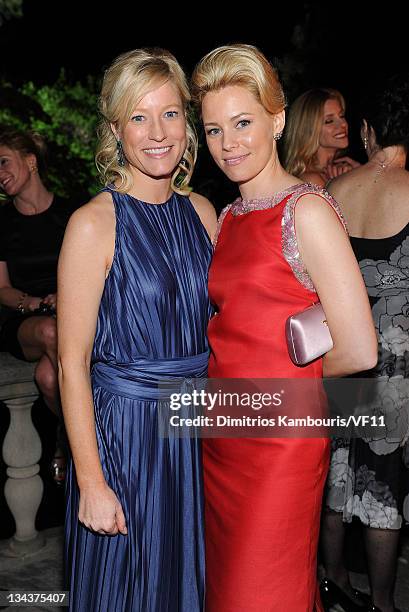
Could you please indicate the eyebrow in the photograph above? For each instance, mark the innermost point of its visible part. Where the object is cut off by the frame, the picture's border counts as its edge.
(231, 118)
(139, 109)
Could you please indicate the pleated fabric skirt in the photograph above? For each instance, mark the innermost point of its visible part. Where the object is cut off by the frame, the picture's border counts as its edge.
(159, 565)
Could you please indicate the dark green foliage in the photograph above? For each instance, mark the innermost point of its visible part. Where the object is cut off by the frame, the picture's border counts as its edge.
(10, 9)
(65, 114)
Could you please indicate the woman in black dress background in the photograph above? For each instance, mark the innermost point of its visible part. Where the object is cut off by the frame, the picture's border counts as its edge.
(32, 225)
(369, 478)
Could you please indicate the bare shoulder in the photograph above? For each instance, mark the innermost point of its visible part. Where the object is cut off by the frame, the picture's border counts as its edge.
(313, 209)
(206, 212)
(94, 219)
(344, 182)
(399, 182)
(201, 204)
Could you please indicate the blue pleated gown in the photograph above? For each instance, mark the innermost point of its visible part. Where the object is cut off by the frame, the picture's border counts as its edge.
(151, 327)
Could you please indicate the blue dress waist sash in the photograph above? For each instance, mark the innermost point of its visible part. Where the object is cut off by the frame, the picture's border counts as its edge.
(149, 379)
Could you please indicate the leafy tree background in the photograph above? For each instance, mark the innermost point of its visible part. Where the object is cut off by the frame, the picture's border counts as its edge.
(312, 42)
(65, 114)
(10, 9)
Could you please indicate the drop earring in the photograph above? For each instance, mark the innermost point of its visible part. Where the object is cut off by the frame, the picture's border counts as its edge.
(278, 135)
(120, 153)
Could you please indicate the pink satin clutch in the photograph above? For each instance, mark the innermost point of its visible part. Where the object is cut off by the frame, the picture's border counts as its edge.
(307, 334)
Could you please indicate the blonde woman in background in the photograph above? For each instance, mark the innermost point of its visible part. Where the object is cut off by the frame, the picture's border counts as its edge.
(133, 311)
(315, 136)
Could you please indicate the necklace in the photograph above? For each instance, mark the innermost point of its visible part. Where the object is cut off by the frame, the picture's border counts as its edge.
(382, 166)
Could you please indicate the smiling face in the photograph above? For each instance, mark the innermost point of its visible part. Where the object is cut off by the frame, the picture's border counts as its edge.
(334, 130)
(240, 133)
(15, 170)
(154, 138)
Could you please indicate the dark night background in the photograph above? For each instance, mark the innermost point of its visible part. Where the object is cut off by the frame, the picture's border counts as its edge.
(346, 45)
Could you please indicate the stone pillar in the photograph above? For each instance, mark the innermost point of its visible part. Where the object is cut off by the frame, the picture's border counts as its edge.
(21, 453)
(24, 488)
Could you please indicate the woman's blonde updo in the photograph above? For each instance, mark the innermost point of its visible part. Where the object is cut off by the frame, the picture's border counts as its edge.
(129, 78)
(242, 65)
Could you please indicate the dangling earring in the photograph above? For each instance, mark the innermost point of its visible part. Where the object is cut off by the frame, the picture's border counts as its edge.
(120, 153)
(278, 135)
(365, 141)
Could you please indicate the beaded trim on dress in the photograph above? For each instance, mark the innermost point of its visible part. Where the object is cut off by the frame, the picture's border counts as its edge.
(241, 207)
(288, 236)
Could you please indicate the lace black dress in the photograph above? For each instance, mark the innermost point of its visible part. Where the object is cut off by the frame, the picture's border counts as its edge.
(369, 478)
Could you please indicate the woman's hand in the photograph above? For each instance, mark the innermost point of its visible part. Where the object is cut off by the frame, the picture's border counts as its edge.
(50, 300)
(341, 165)
(31, 303)
(345, 160)
(101, 511)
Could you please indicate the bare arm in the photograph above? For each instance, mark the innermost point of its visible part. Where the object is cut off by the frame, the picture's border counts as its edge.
(328, 257)
(12, 297)
(206, 212)
(85, 257)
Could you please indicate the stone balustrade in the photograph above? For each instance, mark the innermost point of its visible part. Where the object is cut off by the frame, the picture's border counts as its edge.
(21, 452)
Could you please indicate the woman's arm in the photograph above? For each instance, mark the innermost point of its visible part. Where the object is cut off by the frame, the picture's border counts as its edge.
(14, 298)
(328, 257)
(85, 258)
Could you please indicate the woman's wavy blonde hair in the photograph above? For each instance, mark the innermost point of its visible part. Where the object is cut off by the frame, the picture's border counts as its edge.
(131, 76)
(243, 65)
(302, 132)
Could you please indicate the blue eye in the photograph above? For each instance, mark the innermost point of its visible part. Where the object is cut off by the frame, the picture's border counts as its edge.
(138, 118)
(213, 132)
(243, 123)
(171, 114)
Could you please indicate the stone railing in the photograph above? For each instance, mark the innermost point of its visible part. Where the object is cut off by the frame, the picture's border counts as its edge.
(21, 452)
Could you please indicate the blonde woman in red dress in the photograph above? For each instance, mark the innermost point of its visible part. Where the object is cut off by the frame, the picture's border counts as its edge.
(281, 245)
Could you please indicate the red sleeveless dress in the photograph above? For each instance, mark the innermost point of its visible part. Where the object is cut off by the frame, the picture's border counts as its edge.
(263, 495)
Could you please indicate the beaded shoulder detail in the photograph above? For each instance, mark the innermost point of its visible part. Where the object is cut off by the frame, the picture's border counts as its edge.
(241, 207)
(288, 235)
(220, 223)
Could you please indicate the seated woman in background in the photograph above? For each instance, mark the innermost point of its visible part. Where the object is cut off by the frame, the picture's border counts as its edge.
(315, 136)
(369, 478)
(32, 225)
